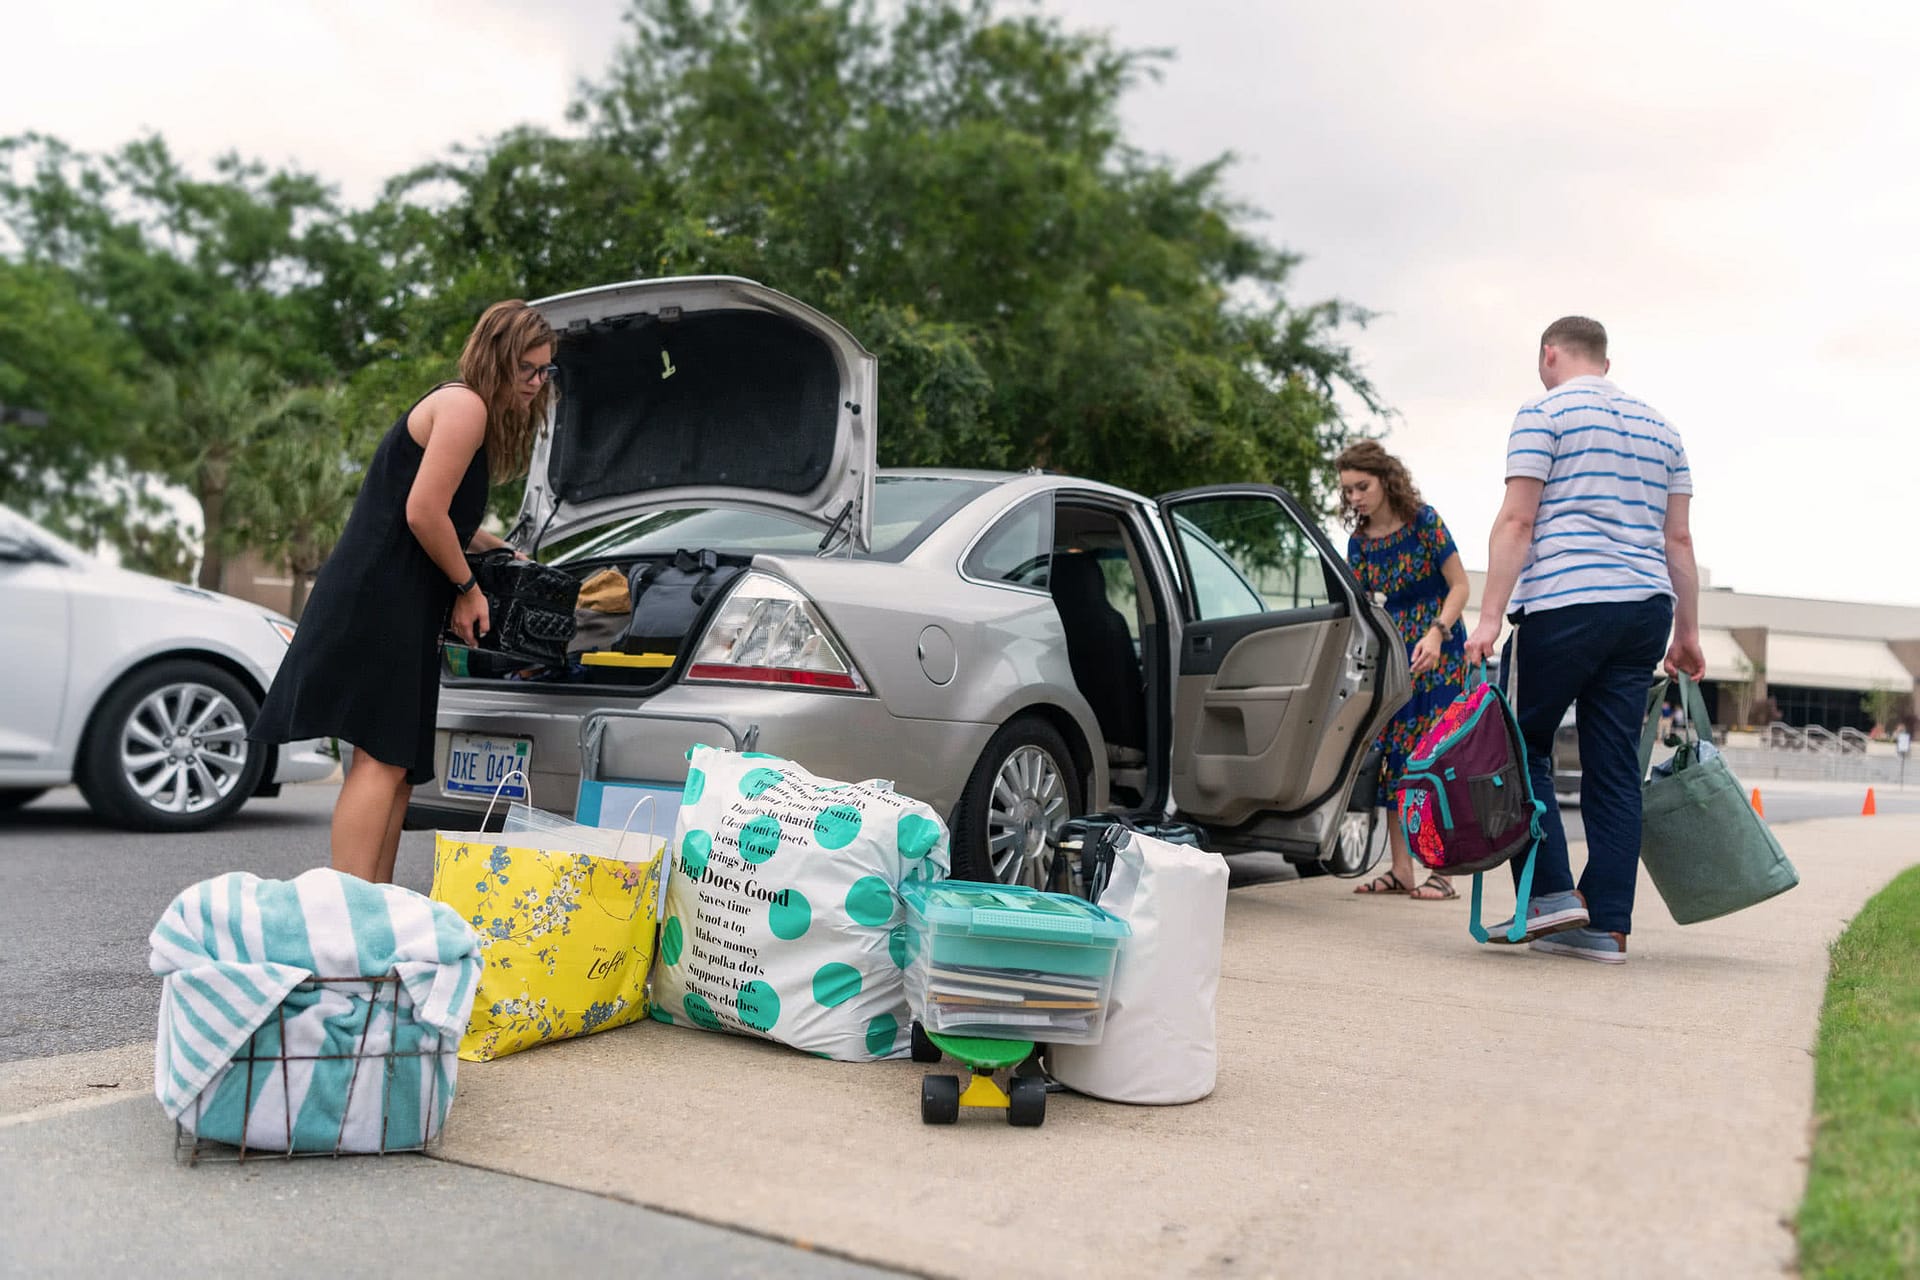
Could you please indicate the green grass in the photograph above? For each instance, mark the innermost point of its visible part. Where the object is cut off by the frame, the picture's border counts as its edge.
(1861, 1216)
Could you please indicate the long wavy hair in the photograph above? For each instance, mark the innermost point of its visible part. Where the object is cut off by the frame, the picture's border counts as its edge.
(1403, 496)
(490, 365)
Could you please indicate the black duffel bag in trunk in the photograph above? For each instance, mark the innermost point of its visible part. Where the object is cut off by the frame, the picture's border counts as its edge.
(669, 594)
(529, 606)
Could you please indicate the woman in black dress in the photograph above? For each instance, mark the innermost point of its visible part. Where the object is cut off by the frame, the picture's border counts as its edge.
(365, 664)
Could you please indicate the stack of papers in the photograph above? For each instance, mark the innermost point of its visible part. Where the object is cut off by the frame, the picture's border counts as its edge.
(965, 996)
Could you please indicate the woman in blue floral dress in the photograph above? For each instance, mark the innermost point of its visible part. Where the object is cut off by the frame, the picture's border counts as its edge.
(1401, 551)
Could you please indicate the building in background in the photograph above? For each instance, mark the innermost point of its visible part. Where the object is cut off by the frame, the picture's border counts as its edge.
(1801, 662)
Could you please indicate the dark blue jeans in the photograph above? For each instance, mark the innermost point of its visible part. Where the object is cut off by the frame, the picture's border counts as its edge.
(1598, 659)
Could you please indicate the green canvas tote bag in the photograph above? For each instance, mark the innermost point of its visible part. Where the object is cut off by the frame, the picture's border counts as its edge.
(1708, 852)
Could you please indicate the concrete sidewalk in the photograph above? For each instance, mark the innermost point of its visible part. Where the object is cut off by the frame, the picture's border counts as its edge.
(1393, 1101)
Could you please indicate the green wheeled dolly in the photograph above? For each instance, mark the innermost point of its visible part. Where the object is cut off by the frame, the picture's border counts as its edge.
(1024, 1098)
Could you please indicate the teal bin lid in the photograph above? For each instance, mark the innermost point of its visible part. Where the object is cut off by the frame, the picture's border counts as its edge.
(1015, 912)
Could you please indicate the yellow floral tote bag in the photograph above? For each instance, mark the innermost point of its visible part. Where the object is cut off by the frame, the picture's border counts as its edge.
(566, 937)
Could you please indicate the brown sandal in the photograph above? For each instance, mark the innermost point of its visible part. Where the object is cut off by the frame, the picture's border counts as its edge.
(1385, 882)
(1442, 890)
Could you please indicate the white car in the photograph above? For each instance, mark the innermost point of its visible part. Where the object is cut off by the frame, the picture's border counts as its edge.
(137, 689)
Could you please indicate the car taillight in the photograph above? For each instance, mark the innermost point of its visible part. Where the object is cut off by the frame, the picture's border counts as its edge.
(768, 633)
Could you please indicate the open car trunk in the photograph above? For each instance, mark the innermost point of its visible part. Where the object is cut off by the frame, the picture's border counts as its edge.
(636, 649)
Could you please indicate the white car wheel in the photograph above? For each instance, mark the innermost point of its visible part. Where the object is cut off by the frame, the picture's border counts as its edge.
(168, 750)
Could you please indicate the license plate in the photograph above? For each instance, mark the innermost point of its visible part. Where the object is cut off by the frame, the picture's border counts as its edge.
(477, 765)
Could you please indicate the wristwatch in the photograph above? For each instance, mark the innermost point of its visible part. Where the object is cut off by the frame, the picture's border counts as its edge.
(462, 588)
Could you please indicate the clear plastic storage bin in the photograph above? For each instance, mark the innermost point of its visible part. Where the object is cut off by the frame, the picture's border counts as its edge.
(1010, 962)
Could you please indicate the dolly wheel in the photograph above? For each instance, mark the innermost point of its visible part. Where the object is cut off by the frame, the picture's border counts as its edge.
(1027, 1102)
(924, 1049)
(940, 1099)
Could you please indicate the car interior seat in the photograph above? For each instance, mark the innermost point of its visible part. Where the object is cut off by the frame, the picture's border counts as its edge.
(1100, 650)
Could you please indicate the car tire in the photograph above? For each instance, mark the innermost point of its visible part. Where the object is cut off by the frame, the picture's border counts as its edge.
(191, 783)
(1034, 760)
(12, 798)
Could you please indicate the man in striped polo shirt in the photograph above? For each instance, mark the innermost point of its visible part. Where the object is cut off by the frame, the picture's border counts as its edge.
(1592, 550)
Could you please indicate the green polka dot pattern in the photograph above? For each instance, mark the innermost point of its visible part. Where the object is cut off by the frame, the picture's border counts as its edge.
(870, 901)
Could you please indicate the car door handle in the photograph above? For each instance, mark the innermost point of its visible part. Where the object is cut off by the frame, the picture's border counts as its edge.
(1202, 644)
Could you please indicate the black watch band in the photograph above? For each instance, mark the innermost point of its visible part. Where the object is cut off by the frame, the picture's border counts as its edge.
(464, 587)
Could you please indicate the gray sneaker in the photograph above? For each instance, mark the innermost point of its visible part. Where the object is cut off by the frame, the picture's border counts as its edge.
(1547, 913)
(1587, 944)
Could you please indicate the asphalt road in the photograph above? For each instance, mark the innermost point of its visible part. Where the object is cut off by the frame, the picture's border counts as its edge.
(78, 898)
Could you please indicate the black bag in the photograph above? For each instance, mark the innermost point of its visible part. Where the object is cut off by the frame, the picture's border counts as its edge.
(1084, 848)
(529, 606)
(668, 596)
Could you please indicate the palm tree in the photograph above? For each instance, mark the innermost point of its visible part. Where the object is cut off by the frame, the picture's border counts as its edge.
(293, 489)
(203, 421)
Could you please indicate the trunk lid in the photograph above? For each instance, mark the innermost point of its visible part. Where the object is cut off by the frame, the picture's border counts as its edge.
(702, 391)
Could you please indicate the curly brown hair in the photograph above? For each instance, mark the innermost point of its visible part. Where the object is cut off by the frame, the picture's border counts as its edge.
(1403, 496)
(490, 365)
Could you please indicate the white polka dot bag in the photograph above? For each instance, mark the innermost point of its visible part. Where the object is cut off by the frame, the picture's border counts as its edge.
(783, 917)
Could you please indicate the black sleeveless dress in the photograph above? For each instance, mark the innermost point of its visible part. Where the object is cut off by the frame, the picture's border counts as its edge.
(364, 666)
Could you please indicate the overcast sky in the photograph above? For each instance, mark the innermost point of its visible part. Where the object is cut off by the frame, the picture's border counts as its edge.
(1730, 187)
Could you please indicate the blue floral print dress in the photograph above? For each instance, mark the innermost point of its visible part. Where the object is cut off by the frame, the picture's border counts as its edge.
(1404, 569)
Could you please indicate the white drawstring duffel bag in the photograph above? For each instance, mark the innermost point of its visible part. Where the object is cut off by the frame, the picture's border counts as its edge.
(1159, 1045)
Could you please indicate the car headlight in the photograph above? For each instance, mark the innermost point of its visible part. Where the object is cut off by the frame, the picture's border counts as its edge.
(282, 628)
(768, 633)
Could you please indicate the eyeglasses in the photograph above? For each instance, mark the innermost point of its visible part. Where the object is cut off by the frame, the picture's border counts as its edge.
(538, 372)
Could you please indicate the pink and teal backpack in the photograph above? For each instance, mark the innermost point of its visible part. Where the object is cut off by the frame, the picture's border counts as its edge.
(1466, 801)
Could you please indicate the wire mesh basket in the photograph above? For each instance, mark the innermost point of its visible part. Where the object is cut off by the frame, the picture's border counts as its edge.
(375, 1062)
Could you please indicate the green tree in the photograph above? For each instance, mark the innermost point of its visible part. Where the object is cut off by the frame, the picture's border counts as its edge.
(201, 423)
(953, 184)
(121, 271)
(291, 496)
(62, 360)
(1887, 708)
(251, 259)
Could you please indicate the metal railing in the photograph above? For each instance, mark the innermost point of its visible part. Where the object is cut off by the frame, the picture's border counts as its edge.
(1815, 739)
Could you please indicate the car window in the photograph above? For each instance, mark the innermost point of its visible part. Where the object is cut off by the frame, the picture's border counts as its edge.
(1123, 590)
(905, 510)
(1018, 549)
(1246, 554)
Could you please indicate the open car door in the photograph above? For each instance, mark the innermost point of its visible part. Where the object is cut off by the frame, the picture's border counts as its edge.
(1286, 672)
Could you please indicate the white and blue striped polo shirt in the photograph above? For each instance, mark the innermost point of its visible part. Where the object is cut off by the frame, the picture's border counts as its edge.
(1609, 462)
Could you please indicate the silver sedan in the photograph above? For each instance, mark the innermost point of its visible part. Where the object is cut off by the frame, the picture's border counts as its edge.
(1011, 648)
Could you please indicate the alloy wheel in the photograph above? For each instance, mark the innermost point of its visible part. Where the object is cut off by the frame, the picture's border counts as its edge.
(1027, 808)
(184, 748)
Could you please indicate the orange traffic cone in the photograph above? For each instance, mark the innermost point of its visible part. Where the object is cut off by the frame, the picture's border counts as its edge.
(1757, 806)
(1867, 810)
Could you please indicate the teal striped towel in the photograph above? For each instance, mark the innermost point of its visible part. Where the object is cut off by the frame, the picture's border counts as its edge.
(236, 954)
